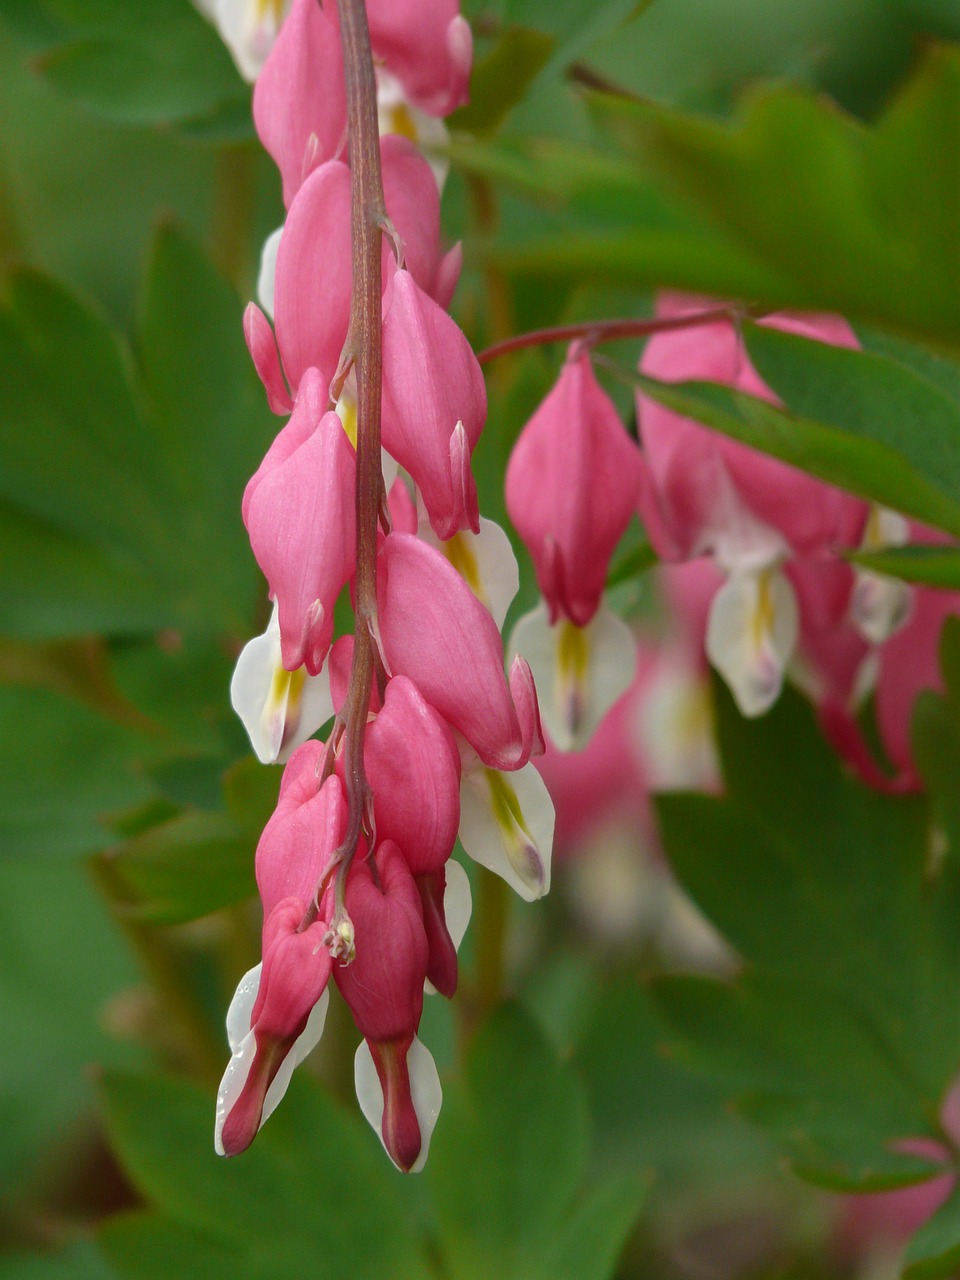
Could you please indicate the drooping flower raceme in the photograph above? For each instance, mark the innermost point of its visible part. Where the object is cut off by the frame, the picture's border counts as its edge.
(356, 881)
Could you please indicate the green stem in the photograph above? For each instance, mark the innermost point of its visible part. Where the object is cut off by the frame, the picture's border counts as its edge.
(493, 902)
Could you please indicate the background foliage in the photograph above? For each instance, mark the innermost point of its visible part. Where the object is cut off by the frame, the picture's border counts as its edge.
(610, 1119)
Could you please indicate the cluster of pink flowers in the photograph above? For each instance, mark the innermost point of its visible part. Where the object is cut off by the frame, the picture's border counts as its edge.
(449, 735)
(786, 600)
(756, 579)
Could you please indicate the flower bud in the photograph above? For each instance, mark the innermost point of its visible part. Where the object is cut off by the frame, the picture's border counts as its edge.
(572, 486)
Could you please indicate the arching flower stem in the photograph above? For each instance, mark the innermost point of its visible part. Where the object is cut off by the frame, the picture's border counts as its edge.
(593, 332)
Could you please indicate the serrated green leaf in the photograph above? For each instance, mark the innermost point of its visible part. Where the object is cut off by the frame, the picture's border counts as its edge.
(862, 222)
(842, 1035)
(120, 503)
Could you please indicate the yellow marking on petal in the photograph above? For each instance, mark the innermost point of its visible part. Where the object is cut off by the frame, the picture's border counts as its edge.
(347, 413)
(873, 539)
(761, 623)
(284, 701)
(521, 847)
(460, 554)
(272, 7)
(400, 120)
(573, 660)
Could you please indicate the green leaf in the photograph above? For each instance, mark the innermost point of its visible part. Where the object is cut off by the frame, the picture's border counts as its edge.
(185, 868)
(210, 423)
(159, 65)
(79, 1262)
(310, 1187)
(869, 468)
(649, 1111)
(590, 1242)
(862, 222)
(250, 791)
(934, 367)
(61, 964)
(507, 1160)
(870, 396)
(633, 564)
(500, 79)
(842, 1034)
(119, 501)
(63, 770)
(931, 566)
(795, 205)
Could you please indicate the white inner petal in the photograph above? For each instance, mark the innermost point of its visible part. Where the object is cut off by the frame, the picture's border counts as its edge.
(580, 672)
(457, 909)
(280, 709)
(231, 1085)
(267, 275)
(751, 633)
(241, 1006)
(673, 729)
(880, 604)
(425, 1090)
(506, 824)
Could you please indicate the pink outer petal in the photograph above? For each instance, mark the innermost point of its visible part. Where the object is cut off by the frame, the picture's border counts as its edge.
(300, 517)
(262, 346)
(572, 486)
(307, 412)
(829, 645)
(307, 826)
(383, 985)
(434, 403)
(313, 278)
(448, 274)
(428, 47)
(691, 466)
(436, 632)
(413, 203)
(299, 101)
(413, 767)
(909, 663)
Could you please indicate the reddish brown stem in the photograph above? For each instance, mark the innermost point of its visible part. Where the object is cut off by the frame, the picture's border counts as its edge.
(596, 331)
(368, 217)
